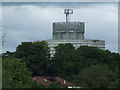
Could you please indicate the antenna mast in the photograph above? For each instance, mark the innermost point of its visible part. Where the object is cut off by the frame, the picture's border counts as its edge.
(67, 12)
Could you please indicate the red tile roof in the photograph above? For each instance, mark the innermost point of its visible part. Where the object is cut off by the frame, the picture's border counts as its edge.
(47, 80)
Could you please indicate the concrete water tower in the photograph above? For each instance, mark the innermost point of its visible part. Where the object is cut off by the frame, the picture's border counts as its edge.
(68, 30)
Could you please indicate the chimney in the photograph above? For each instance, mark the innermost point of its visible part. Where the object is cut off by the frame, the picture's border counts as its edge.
(64, 82)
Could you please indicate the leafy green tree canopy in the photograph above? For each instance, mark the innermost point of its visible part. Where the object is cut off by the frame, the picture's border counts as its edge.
(35, 55)
(97, 76)
(54, 85)
(15, 74)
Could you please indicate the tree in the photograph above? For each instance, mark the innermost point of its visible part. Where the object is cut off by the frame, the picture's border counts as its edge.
(8, 54)
(64, 86)
(41, 86)
(97, 76)
(34, 85)
(67, 61)
(15, 74)
(58, 59)
(35, 55)
(95, 56)
(89, 51)
(54, 85)
(115, 84)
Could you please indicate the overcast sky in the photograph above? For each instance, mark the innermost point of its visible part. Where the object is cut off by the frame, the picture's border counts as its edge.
(33, 21)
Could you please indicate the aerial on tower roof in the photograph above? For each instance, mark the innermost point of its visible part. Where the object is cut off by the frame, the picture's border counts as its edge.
(67, 12)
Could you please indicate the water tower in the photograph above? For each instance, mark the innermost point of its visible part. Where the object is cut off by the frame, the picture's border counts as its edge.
(68, 30)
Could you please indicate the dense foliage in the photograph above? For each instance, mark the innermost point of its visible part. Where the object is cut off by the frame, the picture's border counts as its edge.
(86, 66)
(97, 76)
(35, 55)
(15, 74)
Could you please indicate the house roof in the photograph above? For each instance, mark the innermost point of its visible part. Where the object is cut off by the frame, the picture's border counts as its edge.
(47, 80)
